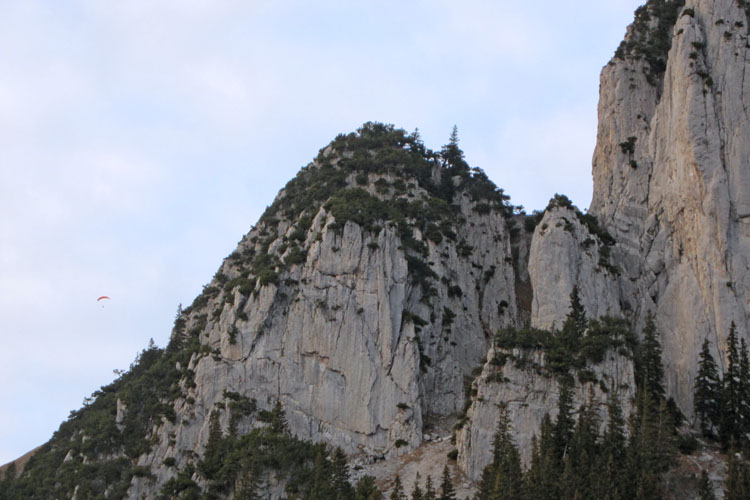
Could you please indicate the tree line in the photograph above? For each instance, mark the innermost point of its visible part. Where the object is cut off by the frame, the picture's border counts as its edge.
(573, 460)
(722, 408)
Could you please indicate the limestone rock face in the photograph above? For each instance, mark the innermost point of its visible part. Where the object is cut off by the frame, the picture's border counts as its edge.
(564, 254)
(670, 184)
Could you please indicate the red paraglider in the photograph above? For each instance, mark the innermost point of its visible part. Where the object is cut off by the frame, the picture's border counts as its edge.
(102, 297)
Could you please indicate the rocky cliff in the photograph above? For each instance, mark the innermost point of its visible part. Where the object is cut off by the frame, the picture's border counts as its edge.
(567, 250)
(390, 287)
(670, 179)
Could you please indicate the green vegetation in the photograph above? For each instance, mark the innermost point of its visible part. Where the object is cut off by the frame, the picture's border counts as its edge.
(358, 206)
(238, 465)
(628, 147)
(295, 256)
(254, 456)
(376, 177)
(588, 220)
(378, 150)
(503, 477)
(579, 343)
(409, 317)
(651, 36)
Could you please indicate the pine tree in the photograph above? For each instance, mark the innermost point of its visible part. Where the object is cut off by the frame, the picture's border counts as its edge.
(705, 488)
(663, 440)
(486, 483)
(214, 430)
(564, 422)
(417, 143)
(322, 486)
(634, 468)
(651, 448)
(582, 462)
(707, 392)
(738, 478)
(248, 485)
(366, 489)
(532, 478)
(731, 394)
(178, 337)
(551, 462)
(542, 480)
(568, 483)
(278, 419)
(416, 492)
(447, 492)
(340, 475)
(398, 490)
(429, 490)
(574, 326)
(744, 401)
(577, 314)
(453, 156)
(614, 437)
(502, 478)
(614, 449)
(215, 447)
(650, 369)
(454, 136)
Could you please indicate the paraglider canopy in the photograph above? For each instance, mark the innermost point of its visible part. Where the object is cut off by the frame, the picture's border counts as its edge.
(103, 297)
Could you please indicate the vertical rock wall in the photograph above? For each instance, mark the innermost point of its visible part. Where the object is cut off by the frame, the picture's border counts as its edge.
(677, 201)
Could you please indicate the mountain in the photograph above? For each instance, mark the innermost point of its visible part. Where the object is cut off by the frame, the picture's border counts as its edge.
(391, 292)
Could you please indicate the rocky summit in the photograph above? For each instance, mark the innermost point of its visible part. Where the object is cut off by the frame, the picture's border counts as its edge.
(393, 315)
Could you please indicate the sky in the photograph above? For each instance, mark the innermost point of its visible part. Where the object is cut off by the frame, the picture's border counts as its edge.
(140, 140)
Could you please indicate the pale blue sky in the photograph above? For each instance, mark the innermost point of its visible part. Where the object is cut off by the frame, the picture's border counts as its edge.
(140, 140)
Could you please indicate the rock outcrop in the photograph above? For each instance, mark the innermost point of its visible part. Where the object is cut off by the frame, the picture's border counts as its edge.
(566, 253)
(568, 249)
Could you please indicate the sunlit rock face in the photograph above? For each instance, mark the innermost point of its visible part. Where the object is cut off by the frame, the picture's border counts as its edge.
(671, 187)
(671, 183)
